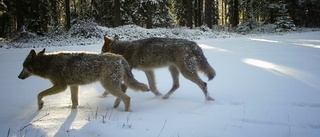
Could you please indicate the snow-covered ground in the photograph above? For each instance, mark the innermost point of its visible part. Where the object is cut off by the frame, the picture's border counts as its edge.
(266, 86)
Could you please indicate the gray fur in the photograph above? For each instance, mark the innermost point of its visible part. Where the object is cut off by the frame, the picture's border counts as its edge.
(79, 68)
(180, 55)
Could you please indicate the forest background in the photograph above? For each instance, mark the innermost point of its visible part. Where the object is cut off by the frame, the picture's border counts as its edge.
(51, 17)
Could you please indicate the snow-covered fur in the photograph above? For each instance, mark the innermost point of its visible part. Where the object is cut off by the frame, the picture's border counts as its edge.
(180, 55)
(78, 68)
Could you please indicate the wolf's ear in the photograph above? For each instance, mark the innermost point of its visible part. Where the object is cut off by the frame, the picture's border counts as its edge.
(106, 44)
(42, 51)
(107, 40)
(32, 54)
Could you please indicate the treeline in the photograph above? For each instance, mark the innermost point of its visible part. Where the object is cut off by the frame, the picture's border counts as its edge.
(57, 16)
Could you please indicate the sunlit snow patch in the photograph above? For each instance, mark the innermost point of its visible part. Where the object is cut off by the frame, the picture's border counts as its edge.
(204, 46)
(260, 63)
(264, 40)
(308, 45)
(282, 70)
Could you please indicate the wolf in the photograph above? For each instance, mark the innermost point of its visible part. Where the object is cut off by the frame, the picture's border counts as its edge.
(79, 68)
(180, 55)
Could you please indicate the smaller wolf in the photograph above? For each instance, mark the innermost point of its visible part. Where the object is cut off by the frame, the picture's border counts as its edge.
(78, 68)
(180, 55)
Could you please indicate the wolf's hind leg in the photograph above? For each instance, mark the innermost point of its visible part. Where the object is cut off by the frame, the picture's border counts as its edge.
(114, 88)
(118, 100)
(175, 77)
(190, 73)
(50, 91)
(152, 82)
(123, 88)
(74, 95)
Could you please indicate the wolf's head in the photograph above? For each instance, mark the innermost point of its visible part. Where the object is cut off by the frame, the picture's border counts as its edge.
(108, 42)
(27, 64)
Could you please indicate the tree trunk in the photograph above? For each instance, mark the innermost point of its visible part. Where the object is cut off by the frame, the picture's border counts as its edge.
(196, 13)
(20, 15)
(54, 14)
(235, 20)
(215, 12)
(200, 6)
(227, 13)
(249, 15)
(208, 13)
(189, 13)
(35, 16)
(68, 18)
(117, 16)
(149, 15)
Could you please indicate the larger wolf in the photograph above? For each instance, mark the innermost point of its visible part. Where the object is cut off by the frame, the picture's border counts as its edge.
(180, 55)
(78, 68)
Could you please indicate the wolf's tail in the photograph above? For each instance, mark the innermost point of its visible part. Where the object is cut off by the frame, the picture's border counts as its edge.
(129, 79)
(204, 66)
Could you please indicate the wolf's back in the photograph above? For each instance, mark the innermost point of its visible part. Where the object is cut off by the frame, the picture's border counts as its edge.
(171, 49)
(158, 52)
(75, 68)
(164, 50)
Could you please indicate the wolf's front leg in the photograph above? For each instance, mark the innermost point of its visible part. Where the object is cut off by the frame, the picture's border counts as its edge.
(74, 96)
(175, 77)
(105, 94)
(152, 82)
(50, 91)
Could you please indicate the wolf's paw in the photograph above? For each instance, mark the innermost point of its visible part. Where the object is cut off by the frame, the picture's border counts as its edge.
(127, 110)
(158, 94)
(117, 103)
(208, 98)
(104, 95)
(74, 106)
(165, 97)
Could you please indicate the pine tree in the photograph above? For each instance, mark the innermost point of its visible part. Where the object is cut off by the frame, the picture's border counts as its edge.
(162, 16)
(283, 21)
(3, 8)
(180, 11)
(234, 12)
(312, 13)
(189, 13)
(198, 12)
(249, 21)
(129, 12)
(54, 15)
(4, 20)
(210, 13)
(68, 14)
(117, 15)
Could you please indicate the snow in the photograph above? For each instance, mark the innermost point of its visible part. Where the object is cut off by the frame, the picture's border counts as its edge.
(265, 86)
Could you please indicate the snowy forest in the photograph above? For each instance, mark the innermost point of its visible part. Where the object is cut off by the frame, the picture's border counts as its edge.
(56, 16)
(265, 54)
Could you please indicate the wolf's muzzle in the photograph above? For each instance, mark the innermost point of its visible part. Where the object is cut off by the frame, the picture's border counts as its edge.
(23, 74)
